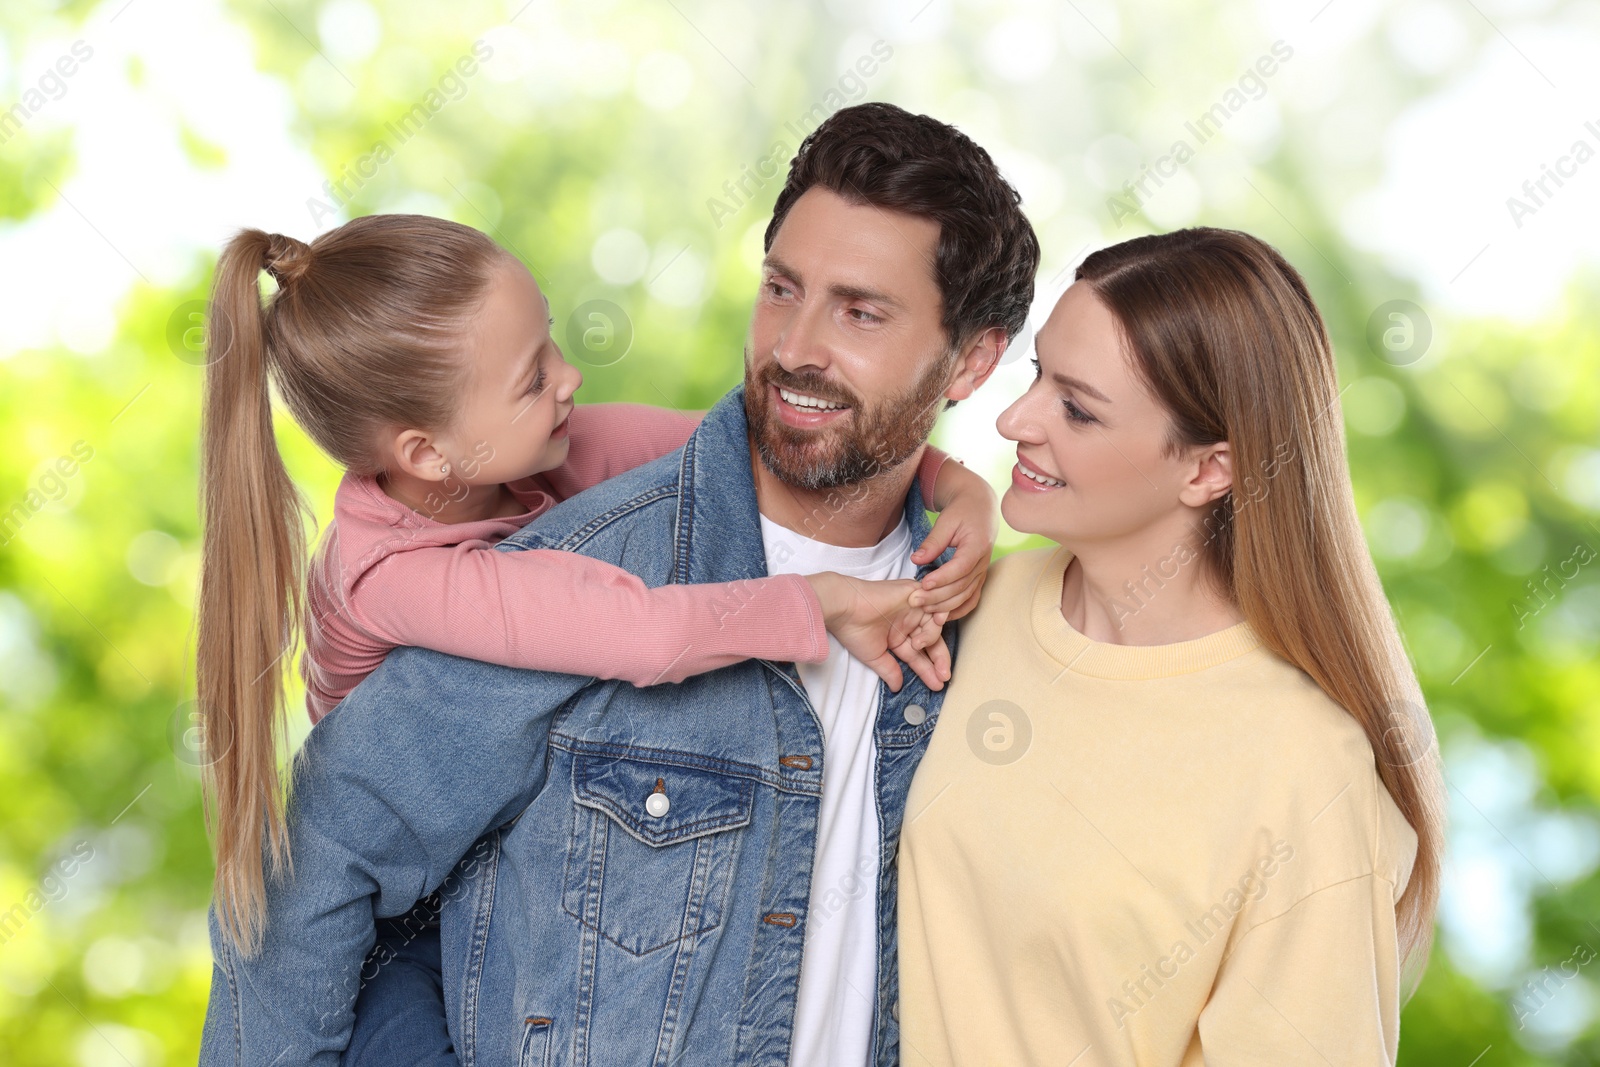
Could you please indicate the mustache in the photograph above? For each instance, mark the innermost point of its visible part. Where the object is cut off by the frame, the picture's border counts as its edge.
(809, 384)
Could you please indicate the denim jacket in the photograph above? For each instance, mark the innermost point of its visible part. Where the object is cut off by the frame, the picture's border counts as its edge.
(625, 871)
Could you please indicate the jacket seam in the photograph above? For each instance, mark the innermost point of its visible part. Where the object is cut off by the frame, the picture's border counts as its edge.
(687, 760)
(480, 951)
(576, 538)
(686, 832)
(233, 997)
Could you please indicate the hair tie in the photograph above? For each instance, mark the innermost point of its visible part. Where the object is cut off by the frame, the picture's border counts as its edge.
(286, 258)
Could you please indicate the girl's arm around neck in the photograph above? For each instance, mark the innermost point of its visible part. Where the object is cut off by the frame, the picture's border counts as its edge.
(558, 611)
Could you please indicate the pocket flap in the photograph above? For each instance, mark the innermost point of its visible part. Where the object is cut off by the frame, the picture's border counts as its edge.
(693, 801)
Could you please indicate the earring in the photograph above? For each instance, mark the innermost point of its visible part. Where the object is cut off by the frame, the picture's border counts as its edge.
(444, 469)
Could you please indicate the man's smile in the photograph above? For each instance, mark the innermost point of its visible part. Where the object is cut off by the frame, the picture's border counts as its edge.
(803, 411)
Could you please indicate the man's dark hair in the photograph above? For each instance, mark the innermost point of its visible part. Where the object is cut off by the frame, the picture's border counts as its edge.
(876, 153)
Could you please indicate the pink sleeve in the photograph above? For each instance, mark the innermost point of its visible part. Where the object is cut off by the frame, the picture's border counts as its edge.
(558, 611)
(928, 473)
(608, 439)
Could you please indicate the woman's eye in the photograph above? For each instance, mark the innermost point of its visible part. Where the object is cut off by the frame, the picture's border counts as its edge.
(1075, 413)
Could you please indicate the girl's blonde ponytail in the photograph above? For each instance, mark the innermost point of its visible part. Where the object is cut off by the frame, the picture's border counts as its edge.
(364, 336)
(253, 560)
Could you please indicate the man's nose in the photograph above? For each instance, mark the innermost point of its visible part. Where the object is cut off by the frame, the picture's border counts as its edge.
(802, 343)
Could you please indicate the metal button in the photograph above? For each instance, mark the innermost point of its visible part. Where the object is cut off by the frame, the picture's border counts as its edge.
(916, 714)
(657, 803)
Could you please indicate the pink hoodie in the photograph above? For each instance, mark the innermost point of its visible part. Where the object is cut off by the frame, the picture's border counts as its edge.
(385, 575)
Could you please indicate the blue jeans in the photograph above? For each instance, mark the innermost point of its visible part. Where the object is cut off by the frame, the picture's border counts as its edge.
(400, 1016)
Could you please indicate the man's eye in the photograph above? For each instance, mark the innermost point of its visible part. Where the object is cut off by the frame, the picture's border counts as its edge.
(862, 315)
(778, 289)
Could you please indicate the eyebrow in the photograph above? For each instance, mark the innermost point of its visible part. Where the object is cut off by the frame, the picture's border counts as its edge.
(844, 292)
(1082, 386)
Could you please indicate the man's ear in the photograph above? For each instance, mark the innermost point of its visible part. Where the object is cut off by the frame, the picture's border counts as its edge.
(417, 454)
(1211, 477)
(978, 360)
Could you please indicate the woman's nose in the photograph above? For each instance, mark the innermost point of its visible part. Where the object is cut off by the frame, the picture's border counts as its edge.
(1009, 422)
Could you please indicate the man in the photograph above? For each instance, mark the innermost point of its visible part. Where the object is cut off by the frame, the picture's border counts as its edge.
(700, 873)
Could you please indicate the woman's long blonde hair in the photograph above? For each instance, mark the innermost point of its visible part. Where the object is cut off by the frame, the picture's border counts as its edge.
(363, 335)
(1226, 335)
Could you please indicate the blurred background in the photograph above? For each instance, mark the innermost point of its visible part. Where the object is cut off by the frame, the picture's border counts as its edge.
(1429, 165)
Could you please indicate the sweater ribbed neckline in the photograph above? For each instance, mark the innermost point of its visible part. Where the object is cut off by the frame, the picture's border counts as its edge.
(1097, 659)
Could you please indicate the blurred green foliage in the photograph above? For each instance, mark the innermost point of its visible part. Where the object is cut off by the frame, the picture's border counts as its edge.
(630, 120)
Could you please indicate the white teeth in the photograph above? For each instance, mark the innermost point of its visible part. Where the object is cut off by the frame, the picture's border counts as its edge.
(1041, 479)
(800, 400)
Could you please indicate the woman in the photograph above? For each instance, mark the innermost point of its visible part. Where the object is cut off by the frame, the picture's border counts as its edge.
(1182, 805)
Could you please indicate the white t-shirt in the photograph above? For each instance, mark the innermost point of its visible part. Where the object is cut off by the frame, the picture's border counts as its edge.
(839, 964)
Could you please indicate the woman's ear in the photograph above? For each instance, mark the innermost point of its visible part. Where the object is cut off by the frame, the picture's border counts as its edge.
(1211, 477)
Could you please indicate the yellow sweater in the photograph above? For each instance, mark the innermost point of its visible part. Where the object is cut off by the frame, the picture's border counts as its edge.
(1159, 855)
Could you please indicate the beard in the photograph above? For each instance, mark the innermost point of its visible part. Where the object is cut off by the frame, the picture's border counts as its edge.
(867, 441)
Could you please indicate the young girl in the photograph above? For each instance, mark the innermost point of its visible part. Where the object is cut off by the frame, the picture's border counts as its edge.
(1189, 787)
(417, 354)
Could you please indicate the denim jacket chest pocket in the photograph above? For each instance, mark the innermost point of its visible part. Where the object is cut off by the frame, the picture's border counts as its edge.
(651, 855)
